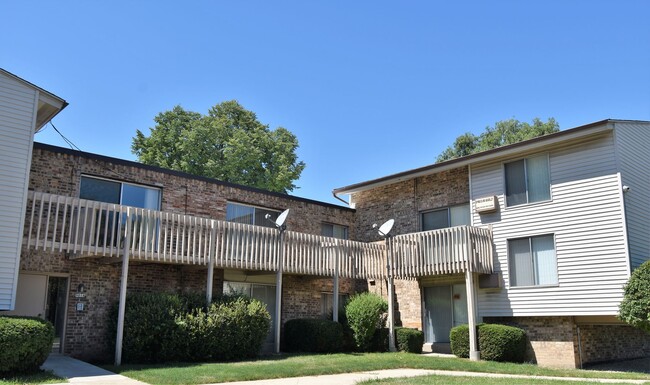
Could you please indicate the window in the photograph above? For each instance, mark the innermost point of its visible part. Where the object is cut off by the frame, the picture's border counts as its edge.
(446, 217)
(327, 304)
(109, 191)
(532, 261)
(250, 215)
(335, 231)
(527, 181)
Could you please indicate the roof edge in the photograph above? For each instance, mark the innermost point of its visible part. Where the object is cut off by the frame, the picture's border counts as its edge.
(568, 134)
(30, 84)
(104, 158)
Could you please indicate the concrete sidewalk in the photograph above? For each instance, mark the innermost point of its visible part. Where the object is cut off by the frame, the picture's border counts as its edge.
(82, 373)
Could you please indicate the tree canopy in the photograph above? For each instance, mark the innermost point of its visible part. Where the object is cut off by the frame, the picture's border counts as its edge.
(635, 307)
(503, 133)
(228, 144)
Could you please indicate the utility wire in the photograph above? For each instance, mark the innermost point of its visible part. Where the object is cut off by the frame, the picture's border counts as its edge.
(72, 145)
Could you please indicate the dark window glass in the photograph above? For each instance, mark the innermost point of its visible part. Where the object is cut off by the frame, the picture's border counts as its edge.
(100, 190)
(434, 220)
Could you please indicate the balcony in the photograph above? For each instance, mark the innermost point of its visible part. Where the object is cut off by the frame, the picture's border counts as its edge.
(83, 228)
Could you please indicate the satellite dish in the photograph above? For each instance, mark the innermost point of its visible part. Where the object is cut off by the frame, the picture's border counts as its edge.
(386, 227)
(282, 218)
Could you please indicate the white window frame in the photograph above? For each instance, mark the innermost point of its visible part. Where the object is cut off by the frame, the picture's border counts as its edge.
(344, 298)
(122, 183)
(510, 264)
(448, 208)
(255, 208)
(505, 180)
(334, 225)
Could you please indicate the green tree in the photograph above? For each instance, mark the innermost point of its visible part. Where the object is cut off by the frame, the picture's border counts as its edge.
(503, 133)
(635, 307)
(228, 143)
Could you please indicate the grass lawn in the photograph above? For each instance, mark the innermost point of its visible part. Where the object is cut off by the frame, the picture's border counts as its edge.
(308, 365)
(42, 377)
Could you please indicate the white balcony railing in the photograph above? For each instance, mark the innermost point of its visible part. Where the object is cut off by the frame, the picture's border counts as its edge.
(446, 251)
(85, 228)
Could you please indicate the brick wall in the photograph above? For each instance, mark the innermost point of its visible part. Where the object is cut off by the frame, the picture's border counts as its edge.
(600, 343)
(58, 171)
(552, 341)
(301, 295)
(403, 201)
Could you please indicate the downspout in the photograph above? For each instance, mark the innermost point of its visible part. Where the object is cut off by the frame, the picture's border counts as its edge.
(339, 198)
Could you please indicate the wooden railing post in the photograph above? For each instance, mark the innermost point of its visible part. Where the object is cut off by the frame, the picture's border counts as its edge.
(211, 256)
(335, 295)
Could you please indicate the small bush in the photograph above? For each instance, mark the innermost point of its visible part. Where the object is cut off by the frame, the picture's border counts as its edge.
(502, 343)
(459, 341)
(364, 313)
(313, 335)
(379, 342)
(496, 342)
(26, 343)
(635, 306)
(409, 340)
(150, 333)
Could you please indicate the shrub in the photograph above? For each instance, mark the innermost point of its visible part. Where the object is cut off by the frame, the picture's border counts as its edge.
(502, 343)
(635, 307)
(26, 343)
(409, 340)
(459, 341)
(364, 313)
(313, 335)
(149, 327)
(379, 341)
(229, 330)
(162, 327)
(496, 342)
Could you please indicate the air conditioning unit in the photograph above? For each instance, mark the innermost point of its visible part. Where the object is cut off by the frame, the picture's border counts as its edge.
(489, 281)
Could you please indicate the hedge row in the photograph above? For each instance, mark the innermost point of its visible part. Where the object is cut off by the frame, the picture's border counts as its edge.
(163, 327)
(409, 340)
(496, 342)
(313, 335)
(27, 342)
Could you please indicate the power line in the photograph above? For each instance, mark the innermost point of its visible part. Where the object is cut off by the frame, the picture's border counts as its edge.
(72, 145)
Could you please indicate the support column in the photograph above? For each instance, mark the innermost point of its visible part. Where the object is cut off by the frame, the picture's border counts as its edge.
(335, 291)
(474, 353)
(122, 304)
(278, 295)
(211, 256)
(391, 295)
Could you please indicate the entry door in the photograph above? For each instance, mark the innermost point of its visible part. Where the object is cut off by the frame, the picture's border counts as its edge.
(444, 308)
(30, 296)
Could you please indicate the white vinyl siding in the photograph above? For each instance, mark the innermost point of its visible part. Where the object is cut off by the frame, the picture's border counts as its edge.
(587, 222)
(17, 121)
(633, 149)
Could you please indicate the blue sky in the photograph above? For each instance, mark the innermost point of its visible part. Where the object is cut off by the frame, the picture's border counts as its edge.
(369, 88)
